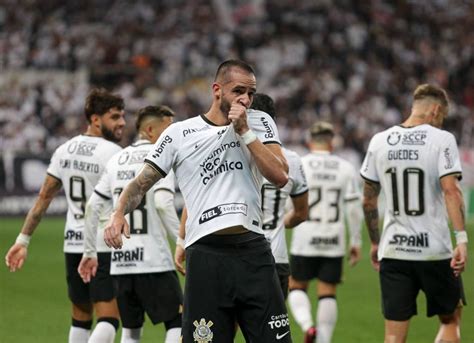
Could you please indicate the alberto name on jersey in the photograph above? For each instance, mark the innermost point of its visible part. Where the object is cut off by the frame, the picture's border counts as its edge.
(78, 164)
(147, 250)
(408, 163)
(216, 173)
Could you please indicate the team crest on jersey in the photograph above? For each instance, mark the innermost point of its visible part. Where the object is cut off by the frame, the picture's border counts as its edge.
(394, 138)
(123, 158)
(203, 332)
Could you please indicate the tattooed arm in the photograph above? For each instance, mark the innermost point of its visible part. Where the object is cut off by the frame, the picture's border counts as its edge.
(129, 199)
(455, 206)
(371, 214)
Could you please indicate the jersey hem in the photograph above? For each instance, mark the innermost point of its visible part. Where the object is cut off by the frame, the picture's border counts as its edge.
(298, 194)
(451, 173)
(54, 176)
(271, 142)
(370, 180)
(154, 166)
(101, 195)
(164, 189)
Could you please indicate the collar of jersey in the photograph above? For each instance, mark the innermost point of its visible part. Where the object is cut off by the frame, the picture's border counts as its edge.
(209, 122)
(410, 127)
(141, 142)
(320, 152)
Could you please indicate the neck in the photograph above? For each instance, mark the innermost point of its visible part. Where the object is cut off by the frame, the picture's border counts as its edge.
(415, 119)
(143, 136)
(320, 147)
(93, 131)
(216, 116)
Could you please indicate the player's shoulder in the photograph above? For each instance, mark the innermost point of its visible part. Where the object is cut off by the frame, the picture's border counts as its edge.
(260, 118)
(442, 134)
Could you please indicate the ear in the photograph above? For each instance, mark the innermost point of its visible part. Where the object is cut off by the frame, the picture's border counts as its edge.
(216, 90)
(96, 120)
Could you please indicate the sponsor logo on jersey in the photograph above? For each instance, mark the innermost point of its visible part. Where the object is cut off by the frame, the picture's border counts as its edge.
(135, 255)
(125, 174)
(448, 158)
(403, 154)
(213, 165)
(268, 129)
(86, 148)
(222, 210)
(138, 156)
(325, 240)
(420, 241)
(414, 138)
(203, 332)
(393, 138)
(220, 133)
(159, 150)
(279, 321)
(189, 131)
(323, 177)
(123, 157)
(71, 235)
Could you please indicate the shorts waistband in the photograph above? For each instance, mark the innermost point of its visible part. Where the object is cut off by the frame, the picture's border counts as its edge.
(232, 243)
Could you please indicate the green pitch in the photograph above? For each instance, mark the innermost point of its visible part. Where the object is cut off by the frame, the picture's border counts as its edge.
(34, 305)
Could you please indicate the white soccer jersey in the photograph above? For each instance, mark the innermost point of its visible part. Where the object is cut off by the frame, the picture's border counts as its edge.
(408, 163)
(215, 171)
(78, 164)
(147, 250)
(331, 181)
(273, 205)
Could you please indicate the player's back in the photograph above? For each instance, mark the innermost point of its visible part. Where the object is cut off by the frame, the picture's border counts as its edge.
(331, 180)
(78, 164)
(408, 163)
(147, 250)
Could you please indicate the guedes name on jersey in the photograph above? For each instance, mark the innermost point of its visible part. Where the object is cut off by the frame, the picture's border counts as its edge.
(403, 154)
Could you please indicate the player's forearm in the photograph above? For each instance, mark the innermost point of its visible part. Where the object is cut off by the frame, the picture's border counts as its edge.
(91, 222)
(274, 168)
(294, 218)
(371, 212)
(354, 220)
(133, 193)
(455, 208)
(182, 224)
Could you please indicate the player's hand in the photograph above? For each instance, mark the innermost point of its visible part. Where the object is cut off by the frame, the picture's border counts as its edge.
(16, 256)
(354, 256)
(179, 258)
(113, 231)
(374, 257)
(87, 268)
(458, 262)
(238, 117)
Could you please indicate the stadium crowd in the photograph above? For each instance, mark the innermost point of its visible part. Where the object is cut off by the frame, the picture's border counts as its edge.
(353, 63)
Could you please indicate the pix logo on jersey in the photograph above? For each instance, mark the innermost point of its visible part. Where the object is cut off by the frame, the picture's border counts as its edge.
(222, 210)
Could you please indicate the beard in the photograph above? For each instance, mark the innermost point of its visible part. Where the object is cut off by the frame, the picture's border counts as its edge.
(225, 106)
(109, 135)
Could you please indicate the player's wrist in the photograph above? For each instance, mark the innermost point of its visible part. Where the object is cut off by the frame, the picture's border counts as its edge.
(89, 254)
(248, 137)
(180, 242)
(460, 236)
(23, 239)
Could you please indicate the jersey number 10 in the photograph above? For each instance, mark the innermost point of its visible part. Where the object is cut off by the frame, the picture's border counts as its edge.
(413, 181)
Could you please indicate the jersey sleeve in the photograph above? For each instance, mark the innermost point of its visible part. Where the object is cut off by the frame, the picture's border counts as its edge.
(448, 159)
(102, 188)
(352, 189)
(264, 127)
(300, 186)
(54, 165)
(368, 170)
(163, 154)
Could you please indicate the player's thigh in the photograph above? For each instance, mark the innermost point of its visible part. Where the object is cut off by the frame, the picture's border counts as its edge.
(132, 313)
(103, 287)
(283, 270)
(160, 295)
(78, 291)
(303, 268)
(443, 291)
(330, 270)
(208, 297)
(261, 310)
(399, 287)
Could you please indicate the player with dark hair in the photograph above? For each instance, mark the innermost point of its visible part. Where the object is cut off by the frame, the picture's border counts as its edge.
(417, 165)
(143, 268)
(318, 245)
(220, 159)
(77, 165)
(274, 200)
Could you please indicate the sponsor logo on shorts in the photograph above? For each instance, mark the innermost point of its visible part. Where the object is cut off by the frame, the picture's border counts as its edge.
(278, 336)
(279, 321)
(414, 138)
(203, 332)
(159, 150)
(222, 210)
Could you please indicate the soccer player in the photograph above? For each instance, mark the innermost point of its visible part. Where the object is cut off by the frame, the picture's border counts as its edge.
(144, 269)
(274, 200)
(318, 245)
(417, 165)
(219, 159)
(77, 165)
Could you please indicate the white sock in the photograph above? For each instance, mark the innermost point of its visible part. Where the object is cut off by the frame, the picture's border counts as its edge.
(326, 318)
(173, 335)
(131, 335)
(104, 332)
(78, 335)
(301, 308)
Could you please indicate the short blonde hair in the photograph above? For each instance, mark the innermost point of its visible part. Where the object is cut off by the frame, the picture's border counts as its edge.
(431, 91)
